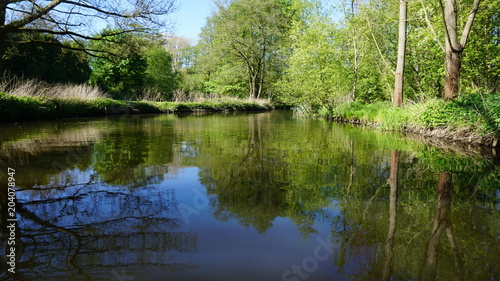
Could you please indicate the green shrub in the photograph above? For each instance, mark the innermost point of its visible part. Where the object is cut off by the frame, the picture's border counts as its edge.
(474, 112)
(479, 112)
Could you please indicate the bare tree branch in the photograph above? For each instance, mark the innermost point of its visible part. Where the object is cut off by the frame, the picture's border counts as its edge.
(32, 17)
(74, 19)
(92, 52)
(70, 33)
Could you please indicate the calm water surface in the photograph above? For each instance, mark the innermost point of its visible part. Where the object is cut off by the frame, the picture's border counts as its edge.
(262, 196)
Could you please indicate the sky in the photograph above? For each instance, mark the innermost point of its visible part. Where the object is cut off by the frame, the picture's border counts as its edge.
(191, 17)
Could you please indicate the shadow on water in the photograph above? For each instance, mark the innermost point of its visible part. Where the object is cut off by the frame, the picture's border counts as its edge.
(120, 198)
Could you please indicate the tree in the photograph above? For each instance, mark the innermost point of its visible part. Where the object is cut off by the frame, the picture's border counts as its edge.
(397, 98)
(480, 68)
(453, 46)
(246, 35)
(123, 75)
(180, 49)
(161, 75)
(369, 38)
(317, 74)
(74, 18)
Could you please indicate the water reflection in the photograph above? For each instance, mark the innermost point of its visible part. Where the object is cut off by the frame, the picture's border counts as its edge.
(99, 196)
(85, 230)
(393, 197)
(441, 223)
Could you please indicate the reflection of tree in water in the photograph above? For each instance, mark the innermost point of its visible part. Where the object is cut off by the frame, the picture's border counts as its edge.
(87, 230)
(441, 223)
(246, 187)
(260, 178)
(401, 235)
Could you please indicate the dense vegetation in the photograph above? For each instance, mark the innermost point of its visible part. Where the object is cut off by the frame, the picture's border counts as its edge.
(326, 60)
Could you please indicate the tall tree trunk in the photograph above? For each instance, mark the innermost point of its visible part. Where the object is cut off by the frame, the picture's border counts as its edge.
(254, 89)
(454, 47)
(397, 98)
(453, 62)
(452, 51)
(356, 57)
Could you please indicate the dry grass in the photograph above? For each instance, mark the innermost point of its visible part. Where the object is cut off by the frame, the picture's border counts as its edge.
(39, 89)
(151, 95)
(181, 96)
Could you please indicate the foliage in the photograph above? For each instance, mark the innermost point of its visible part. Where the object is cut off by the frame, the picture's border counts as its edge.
(481, 61)
(40, 89)
(134, 65)
(239, 53)
(26, 108)
(216, 105)
(316, 74)
(46, 61)
(122, 75)
(473, 112)
(159, 74)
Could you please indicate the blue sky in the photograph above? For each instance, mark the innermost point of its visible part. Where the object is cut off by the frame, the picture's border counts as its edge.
(191, 17)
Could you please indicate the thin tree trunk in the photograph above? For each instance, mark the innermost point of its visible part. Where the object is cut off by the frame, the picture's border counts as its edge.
(397, 99)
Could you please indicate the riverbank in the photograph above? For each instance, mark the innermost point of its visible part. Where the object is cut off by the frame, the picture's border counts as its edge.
(28, 108)
(472, 119)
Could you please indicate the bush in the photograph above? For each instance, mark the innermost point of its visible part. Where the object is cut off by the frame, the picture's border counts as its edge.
(472, 111)
(475, 112)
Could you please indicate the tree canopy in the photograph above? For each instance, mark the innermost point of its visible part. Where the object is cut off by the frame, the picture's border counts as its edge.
(240, 45)
(76, 20)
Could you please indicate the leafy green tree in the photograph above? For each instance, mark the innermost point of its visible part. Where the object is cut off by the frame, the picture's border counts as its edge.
(317, 74)
(160, 74)
(241, 43)
(142, 65)
(481, 63)
(123, 76)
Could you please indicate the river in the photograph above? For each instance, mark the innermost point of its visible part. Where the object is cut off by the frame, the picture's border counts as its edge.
(256, 196)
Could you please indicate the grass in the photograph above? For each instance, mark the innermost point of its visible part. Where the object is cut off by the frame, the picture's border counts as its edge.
(34, 88)
(34, 100)
(479, 113)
